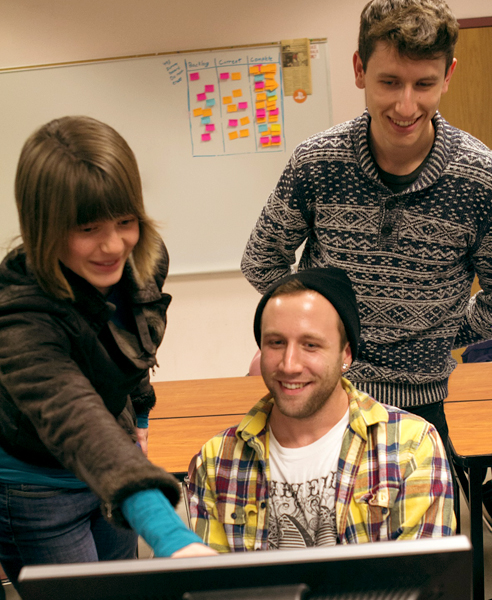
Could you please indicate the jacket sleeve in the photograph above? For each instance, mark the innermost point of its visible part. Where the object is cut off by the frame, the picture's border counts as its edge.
(477, 323)
(69, 416)
(281, 228)
(202, 501)
(424, 505)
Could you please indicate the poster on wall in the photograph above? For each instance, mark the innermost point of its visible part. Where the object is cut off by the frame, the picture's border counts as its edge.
(236, 103)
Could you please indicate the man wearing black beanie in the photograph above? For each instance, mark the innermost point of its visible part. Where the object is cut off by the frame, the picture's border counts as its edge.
(317, 462)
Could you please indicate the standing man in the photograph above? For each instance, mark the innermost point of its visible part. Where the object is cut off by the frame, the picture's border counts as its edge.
(317, 462)
(400, 200)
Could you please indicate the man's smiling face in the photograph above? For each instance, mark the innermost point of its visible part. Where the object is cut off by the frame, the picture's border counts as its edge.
(402, 97)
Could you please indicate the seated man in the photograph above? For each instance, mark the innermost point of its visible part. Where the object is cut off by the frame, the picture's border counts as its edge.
(317, 462)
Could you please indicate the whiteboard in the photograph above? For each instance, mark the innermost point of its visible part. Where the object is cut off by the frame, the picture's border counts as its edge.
(204, 195)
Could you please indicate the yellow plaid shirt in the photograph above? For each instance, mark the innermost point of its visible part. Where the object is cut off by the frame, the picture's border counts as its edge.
(393, 479)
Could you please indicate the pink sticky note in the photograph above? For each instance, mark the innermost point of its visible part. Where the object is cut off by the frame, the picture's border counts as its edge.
(275, 139)
(210, 127)
(209, 88)
(232, 122)
(259, 85)
(260, 114)
(265, 140)
(274, 112)
(206, 137)
(194, 76)
(224, 75)
(201, 97)
(242, 105)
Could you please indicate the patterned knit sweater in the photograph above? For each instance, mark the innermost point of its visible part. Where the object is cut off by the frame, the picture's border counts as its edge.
(411, 256)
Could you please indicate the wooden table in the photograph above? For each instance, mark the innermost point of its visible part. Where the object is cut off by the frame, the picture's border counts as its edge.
(468, 409)
(188, 413)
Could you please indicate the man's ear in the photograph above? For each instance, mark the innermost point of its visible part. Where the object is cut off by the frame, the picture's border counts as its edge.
(347, 355)
(360, 75)
(447, 78)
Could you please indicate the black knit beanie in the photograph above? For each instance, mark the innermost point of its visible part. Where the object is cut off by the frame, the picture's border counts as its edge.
(335, 286)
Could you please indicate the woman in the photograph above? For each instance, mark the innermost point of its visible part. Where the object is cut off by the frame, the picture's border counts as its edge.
(81, 317)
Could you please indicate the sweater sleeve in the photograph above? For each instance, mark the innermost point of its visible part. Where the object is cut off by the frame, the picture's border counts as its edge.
(281, 228)
(477, 323)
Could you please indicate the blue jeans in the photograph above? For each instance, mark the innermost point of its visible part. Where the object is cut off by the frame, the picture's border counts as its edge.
(45, 525)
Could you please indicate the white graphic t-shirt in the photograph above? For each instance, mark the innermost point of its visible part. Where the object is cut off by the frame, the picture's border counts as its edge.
(302, 491)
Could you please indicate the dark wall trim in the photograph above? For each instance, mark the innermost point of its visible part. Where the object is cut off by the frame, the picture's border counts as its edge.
(478, 22)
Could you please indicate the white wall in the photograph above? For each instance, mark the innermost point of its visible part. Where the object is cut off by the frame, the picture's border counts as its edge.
(210, 319)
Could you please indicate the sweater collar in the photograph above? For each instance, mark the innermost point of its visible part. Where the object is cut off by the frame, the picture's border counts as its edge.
(442, 149)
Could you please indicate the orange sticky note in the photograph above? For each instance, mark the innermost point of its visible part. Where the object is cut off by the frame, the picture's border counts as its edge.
(255, 70)
(233, 135)
(261, 104)
(261, 120)
(226, 99)
(207, 112)
(244, 121)
(273, 118)
(271, 85)
(272, 105)
(269, 68)
(244, 132)
(235, 76)
(237, 93)
(197, 112)
(232, 108)
(261, 96)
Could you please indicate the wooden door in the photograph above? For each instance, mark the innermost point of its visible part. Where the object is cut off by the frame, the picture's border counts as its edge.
(468, 102)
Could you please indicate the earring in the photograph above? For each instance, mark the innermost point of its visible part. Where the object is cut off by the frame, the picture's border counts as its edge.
(345, 366)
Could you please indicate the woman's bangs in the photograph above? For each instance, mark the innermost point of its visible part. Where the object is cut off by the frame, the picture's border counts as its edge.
(98, 199)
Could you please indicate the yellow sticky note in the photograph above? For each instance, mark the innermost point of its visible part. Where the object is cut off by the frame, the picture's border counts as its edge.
(276, 129)
(237, 93)
(255, 70)
(226, 99)
(244, 132)
(261, 96)
(197, 112)
(235, 76)
(244, 121)
(233, 135)
(272, 98)
(232, 108)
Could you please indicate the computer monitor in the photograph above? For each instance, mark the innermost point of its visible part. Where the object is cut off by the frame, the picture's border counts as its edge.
(428, 569)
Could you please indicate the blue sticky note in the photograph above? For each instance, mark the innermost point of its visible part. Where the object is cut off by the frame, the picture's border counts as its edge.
(262, 128)
(259, 78)
(210, 102)
(270, 94)
(205, 120)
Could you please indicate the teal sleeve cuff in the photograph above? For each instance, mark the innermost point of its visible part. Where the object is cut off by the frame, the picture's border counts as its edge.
(151, 515)
(143, 421)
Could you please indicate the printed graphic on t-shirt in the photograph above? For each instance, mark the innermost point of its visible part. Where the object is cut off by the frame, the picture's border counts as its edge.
(302, 514)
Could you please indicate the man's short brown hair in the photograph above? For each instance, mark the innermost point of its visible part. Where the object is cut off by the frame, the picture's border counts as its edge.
(417, 29)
